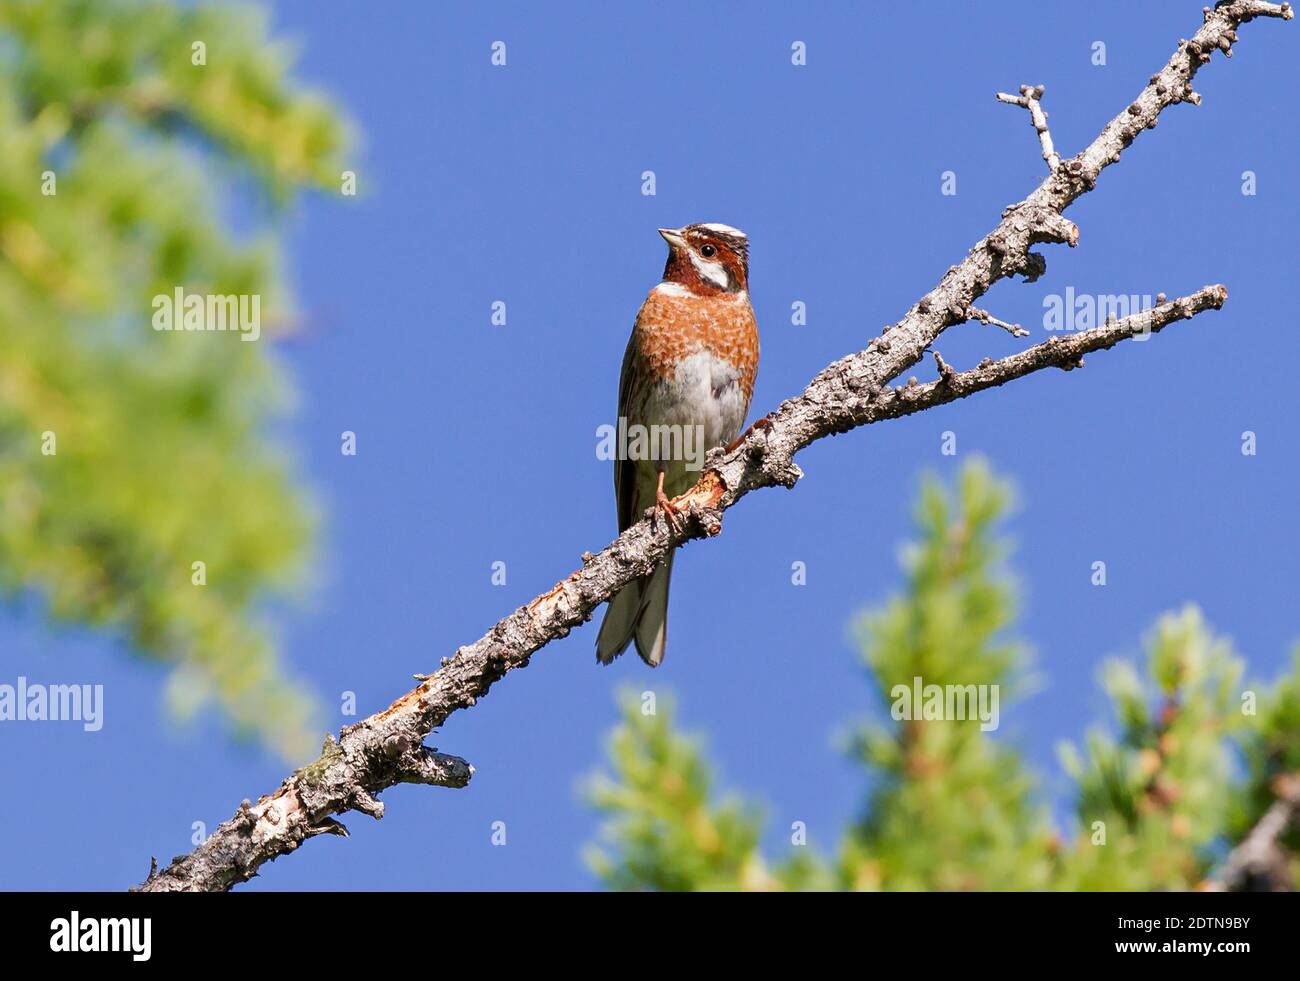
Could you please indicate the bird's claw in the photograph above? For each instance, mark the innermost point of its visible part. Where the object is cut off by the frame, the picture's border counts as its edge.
(669, 510)
(763, 423)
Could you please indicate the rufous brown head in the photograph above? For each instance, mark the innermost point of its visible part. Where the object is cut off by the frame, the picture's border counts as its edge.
(707, 259)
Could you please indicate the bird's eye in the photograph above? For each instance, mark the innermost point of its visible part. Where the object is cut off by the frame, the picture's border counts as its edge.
(708, 251)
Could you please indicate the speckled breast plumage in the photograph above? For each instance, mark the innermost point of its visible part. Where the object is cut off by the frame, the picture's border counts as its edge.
(691, 360)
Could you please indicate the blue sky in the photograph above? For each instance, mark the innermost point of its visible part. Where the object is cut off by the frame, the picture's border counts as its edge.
(476, 443)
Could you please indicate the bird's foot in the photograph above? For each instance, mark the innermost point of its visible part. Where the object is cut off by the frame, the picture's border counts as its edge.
(665, 506)
(764, 423)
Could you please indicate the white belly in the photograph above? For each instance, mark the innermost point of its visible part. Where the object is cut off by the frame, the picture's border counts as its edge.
(704, 391)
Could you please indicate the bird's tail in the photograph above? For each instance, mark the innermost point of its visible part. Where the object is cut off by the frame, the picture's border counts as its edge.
(638, 612)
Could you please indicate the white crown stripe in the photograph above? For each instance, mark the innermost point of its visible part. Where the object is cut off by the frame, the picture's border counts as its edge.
(722, 229)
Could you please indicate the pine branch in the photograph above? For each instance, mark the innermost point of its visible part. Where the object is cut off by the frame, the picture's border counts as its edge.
(387, 748)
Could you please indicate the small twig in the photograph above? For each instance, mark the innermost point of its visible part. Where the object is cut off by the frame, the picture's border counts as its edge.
(946, 371)
(1030, 98)
(984, 317)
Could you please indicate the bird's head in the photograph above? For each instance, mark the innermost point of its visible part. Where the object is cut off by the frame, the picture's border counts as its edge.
(707, 259)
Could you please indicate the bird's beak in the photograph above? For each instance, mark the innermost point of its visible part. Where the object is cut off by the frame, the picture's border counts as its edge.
(673, 236)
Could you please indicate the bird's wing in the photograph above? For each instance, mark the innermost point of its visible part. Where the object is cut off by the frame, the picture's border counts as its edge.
(619, 626)
(625, 470)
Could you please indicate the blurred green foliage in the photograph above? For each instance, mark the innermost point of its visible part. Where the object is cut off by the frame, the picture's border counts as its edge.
(1191, 769)
(162, 450)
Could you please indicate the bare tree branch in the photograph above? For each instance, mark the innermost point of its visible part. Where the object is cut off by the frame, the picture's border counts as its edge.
(1259, 863)
(387, 748)
(1064, 352)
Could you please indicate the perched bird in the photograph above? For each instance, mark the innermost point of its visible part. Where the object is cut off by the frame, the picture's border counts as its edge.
(690, 364)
